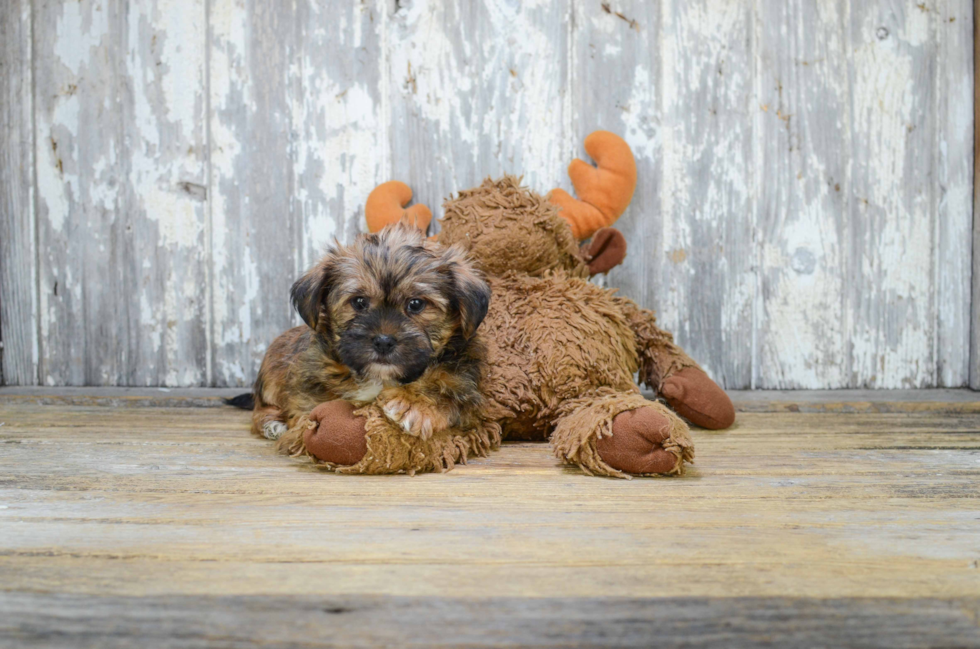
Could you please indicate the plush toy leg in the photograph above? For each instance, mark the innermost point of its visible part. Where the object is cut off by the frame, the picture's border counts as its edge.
(636, 443)
(617, 434)
(343, 439)
(698, 399)
(666, 368)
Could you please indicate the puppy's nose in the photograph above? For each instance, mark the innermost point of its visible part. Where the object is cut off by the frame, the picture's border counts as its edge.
(383, 343)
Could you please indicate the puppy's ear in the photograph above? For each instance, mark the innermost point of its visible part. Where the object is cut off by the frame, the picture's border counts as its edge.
(470, 292)
(310, 290)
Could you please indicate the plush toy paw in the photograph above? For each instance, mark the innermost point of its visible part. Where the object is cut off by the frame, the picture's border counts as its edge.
(414, 417)
(636, 445)
(695, 397)
(338, 436)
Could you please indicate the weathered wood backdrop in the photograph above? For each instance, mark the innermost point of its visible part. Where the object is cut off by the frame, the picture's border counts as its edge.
(803, 218)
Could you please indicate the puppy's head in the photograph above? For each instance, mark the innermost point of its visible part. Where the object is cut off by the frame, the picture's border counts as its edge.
(391, 302)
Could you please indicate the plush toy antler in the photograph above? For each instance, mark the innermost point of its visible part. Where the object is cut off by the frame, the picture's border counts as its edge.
(604, 192)
(386, 205)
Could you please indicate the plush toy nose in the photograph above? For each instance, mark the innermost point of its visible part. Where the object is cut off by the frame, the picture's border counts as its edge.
(383, 344)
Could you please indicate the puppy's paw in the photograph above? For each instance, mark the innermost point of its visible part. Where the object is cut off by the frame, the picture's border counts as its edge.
(414, 418)
(273, 429)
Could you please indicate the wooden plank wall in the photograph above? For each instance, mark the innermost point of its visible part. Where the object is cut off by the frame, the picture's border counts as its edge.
(804, 216)
(975, 332)
(18, 276)
(121, 161)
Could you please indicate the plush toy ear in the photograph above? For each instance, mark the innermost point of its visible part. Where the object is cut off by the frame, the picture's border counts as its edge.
(606, 250)
(386, 205)
(310, 290)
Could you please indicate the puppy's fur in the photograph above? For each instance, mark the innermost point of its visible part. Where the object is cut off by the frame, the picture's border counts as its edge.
(393, 318)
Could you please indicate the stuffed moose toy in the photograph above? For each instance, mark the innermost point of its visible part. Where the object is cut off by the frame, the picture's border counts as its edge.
(561, 353)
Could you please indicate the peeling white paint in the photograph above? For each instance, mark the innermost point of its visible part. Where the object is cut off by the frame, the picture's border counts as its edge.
(228, 80)
(892, 339)
(801, 317)
(488, 103)
(704, 198)
(80, 28)
(119, 126)
(807, 166)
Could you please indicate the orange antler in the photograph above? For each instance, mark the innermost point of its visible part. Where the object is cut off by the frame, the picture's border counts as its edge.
(386, 205)
(604, 192)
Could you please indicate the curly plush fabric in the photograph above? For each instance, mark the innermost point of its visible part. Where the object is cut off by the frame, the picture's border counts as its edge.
(389, 450)
(562, 352)
(510, 229)
(659, 356)
(551, 339)
(589, 418)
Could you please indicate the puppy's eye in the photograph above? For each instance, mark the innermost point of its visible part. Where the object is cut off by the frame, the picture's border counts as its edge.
(415, 305)
(359, 302)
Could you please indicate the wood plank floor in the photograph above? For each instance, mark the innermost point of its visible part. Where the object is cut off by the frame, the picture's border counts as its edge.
(847, 526)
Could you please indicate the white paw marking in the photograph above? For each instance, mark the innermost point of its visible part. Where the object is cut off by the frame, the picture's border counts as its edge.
(409, 419)
(273, 429)
(391, 413)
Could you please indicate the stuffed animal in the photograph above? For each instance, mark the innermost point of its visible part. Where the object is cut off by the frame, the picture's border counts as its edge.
(562, 352)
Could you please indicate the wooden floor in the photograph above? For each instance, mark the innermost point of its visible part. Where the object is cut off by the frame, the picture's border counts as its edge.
(821, 520)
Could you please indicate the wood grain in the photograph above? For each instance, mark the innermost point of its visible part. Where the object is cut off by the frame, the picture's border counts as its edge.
(785, 505)
(792, 529)
(44, 620)
(121, 174)
(18, 260)
(476, 89)
(954, 196)
(254, 229)
(975, 304)
(802, 218)
(893, 195)
(707, 279)
(802, 187)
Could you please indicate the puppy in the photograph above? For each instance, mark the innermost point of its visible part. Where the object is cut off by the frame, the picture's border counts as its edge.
(390, 318)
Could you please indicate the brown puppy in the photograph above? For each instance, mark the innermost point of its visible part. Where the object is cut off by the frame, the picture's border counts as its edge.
(390, 318)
